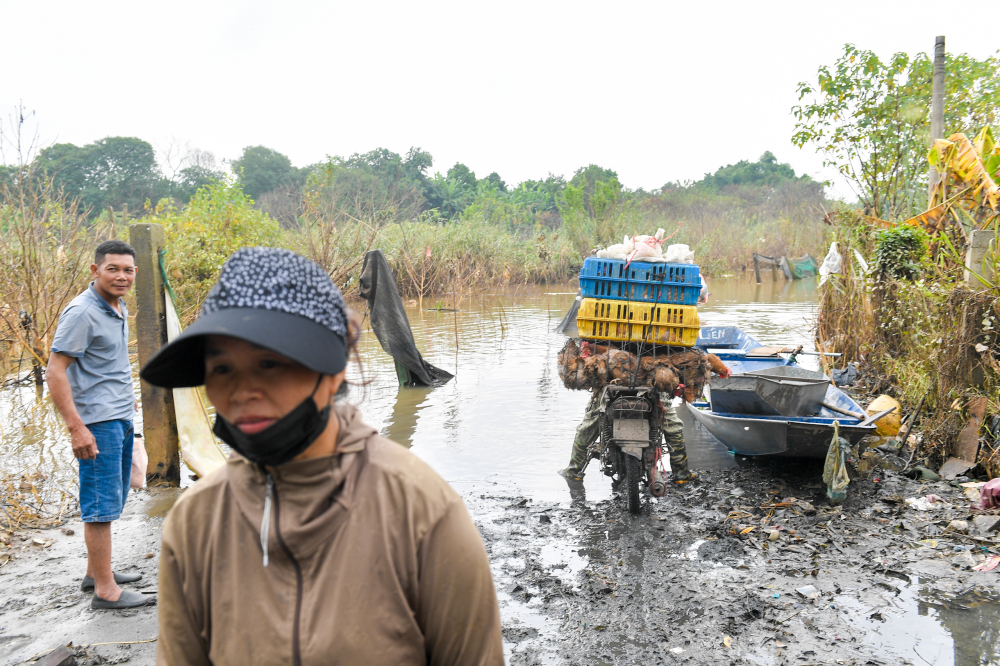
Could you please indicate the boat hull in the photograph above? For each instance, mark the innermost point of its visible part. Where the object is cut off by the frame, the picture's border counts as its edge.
(803, 437)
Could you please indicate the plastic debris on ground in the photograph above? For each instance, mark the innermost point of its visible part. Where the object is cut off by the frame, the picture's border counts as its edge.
(835, 470)
(990, 493)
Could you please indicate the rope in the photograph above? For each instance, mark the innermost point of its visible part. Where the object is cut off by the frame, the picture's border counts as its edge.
(163, 274)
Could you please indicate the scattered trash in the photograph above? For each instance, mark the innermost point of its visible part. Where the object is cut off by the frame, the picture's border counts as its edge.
(887, 426)
(773, 535)
(986, 524)
(544, 519)
(835, 469)
(926, 503)
(149, 556)
(954, 467)
(921, 473)
(958, 526)
(58, 657)
(965, 559)
(972, 494)
(989, 565)
(727, 641)
(776, 595)
(990, 494)
(808, 591)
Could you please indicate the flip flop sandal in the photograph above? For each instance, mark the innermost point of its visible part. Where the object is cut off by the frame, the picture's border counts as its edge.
(88, 583)
(128, 599)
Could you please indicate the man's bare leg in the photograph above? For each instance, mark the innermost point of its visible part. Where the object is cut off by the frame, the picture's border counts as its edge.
(98, 538)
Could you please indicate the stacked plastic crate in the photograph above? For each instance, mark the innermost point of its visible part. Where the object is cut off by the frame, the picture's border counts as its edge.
(639, 302)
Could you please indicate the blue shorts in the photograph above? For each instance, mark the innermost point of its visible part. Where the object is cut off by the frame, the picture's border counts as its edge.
(104, 480)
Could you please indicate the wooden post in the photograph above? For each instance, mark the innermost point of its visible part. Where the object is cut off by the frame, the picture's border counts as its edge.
(937, 109)
(756, 267)
(158, 419)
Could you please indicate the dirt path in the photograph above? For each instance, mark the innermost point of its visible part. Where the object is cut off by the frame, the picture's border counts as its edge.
(586, 583)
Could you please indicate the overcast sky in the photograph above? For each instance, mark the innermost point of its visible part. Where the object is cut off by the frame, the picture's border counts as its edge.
(658, 91)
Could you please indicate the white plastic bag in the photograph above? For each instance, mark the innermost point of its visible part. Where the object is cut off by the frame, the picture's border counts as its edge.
(140, 460)
(831, 264)
(678, 254)
(646, 248)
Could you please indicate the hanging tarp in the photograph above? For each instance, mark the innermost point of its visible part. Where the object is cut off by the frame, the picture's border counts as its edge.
(391, 326)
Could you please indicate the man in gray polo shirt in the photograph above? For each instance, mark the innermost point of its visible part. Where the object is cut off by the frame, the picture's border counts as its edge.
(90, 379)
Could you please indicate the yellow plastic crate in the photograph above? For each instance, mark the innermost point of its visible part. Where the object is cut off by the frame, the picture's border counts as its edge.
(630, 321)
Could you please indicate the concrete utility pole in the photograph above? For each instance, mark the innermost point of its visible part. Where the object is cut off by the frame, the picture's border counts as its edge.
(158, 419)
(937, 108)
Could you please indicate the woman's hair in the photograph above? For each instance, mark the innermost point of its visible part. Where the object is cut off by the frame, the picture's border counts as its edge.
(353, 338)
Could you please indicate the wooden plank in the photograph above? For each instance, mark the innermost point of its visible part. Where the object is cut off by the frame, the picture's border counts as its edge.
(158, 422)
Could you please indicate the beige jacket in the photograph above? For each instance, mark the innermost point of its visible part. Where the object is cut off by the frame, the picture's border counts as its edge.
(372, 559)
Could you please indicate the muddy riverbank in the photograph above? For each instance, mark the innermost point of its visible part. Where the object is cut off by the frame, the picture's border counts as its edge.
(579, 580)
(584, 582)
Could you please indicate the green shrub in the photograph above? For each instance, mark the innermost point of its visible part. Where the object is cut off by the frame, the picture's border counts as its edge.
(219, 220)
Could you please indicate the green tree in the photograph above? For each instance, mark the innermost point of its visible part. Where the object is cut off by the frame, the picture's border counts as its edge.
(869, 119)
(496, 181)
(193, 178)
(219, 220)
(260, 169)
(113, 172)
(465, 176)
(553, 188)
(586, 180)
(765, 171)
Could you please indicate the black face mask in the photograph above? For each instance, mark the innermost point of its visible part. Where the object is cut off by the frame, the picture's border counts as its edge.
(283, 440)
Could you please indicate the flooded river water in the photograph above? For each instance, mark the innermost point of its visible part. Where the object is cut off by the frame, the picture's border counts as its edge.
(567, 564)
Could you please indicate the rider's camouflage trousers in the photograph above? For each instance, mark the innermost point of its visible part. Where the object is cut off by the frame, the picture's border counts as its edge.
(589, 429)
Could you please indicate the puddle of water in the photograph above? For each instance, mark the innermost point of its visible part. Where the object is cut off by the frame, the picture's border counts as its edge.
(160, 501)
(928, 625)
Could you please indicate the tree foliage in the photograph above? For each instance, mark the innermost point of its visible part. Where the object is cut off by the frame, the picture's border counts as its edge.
(260, 169)
(765, 171)
(111, 173)
(219, 220)
(870, 119)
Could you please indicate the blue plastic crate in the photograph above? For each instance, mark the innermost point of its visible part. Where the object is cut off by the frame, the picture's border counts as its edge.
(640, 281)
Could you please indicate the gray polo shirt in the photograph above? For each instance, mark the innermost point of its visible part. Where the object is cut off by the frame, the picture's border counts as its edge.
(96, 336)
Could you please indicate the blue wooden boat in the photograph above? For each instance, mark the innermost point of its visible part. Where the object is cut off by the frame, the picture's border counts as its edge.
(807, 436)
(740, 351)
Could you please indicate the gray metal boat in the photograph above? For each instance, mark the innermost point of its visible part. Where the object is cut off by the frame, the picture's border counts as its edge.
(776, 391)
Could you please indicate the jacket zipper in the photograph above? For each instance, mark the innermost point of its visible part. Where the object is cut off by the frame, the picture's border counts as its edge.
(296, 651)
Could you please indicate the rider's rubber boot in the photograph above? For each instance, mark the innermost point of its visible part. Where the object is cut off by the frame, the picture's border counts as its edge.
(577, 462)
(679, 466)
(571, 474)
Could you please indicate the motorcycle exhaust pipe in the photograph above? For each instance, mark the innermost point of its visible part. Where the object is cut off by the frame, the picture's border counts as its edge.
(659, 487)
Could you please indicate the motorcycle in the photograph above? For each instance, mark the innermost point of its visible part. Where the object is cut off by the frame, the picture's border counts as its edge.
(629, 446)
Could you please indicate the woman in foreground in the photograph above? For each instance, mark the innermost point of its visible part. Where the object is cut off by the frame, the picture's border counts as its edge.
(321, 542)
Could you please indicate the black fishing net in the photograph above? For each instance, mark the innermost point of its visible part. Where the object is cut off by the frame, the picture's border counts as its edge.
(389, 321)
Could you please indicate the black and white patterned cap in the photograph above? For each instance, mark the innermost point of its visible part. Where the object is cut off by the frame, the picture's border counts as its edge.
(268, 296)
(271, 278)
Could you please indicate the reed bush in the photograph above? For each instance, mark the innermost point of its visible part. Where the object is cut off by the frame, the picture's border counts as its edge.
(918, 331)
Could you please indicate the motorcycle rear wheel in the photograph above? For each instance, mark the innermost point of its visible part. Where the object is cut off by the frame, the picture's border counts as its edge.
(633, 472)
